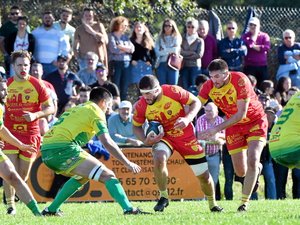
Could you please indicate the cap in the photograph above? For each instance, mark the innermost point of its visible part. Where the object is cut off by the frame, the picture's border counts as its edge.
(254, 20)
(64, 57)
(100, 66)
(125, 104)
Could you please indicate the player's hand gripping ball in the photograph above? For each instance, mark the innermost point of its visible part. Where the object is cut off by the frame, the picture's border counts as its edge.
(153, 129)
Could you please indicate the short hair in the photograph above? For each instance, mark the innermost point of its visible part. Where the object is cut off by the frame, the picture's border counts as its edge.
(252, 79)
(66, 9)
(15, 7)
(47, 12)
(201, 79)
(288, 31)
(20, 54)
(266, 84)
(85, 89)
(24, 18)
(148, 82)
(204, 23)
(99, 93)
(217, 64)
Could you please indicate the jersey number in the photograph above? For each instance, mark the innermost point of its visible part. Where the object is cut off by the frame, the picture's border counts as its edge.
(285, 116)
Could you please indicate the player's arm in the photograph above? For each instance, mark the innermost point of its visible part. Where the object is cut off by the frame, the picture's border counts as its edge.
(11, 139)
(47, 109)
(149, 140)
(194, 107)
(242, 106)
(114, 149)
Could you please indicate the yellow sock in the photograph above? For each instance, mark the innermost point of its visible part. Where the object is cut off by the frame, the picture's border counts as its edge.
(245, 199)
(211, 201)
(164, 194)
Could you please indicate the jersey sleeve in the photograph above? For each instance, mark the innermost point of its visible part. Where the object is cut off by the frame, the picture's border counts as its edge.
(203, 94)
(139, 116)
(99, 124)
(243, 87)
(178, 94)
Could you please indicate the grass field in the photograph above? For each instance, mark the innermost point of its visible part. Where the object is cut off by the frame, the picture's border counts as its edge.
(279, 212)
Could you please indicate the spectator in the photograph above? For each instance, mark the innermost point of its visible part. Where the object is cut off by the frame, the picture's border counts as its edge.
(19, 40)
(253, 81)
(258, 45)
(88, 74)
(23, 111)
(192, 49)
(267, 88)
(8, 28)
(90, 36)
(143, 56)
(168, 41)
(281, 91)
(288, 53)
(210, 44)
(102, 81)
(64, 82)
(200, 79)
(49, 43)
(64, 24)
(120, 50)
(120, 126)
(84, 94)
(232, 49)
(213, 144)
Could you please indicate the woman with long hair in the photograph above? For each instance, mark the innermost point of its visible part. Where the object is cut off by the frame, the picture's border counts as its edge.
(168, 41)
(143, 56)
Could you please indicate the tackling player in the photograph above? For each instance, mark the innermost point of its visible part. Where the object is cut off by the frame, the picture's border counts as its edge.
(166, 104)
(246, 124)
(61, 151)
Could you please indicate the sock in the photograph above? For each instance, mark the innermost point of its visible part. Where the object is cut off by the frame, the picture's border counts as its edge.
(164, 194)
(211, 201)
(69, 188)
(10, 202)
(116, 191)
(245, 199)
(32, 205)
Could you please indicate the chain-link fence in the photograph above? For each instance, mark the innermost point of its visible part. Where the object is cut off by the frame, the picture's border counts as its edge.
(273, 20)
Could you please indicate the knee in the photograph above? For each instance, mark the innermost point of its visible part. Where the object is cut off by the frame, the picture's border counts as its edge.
(160, 160)
(204, 177)
(13, 178)
(240, 172)
(107, 175)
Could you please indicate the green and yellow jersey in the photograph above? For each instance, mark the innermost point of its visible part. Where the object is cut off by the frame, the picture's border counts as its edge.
(284, 139)
(77, 125)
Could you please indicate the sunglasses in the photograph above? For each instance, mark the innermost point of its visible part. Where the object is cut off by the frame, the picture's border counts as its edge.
(230, 28)
(14, 13)
(286, 38)
(168, 25)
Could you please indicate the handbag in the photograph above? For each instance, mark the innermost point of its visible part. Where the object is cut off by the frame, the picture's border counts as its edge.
(175, 61)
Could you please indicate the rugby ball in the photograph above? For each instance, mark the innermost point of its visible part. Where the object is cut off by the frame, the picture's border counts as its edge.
(153, 128)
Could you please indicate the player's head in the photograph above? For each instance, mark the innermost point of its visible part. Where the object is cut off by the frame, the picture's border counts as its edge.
(101, 97)
(150, 88)
(218, 72)
(3, 90)
(21, 63)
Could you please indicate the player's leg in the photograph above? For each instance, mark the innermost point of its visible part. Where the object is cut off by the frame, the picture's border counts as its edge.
(11, 177)
(200, 169)
(161, 152)
(8, 189)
